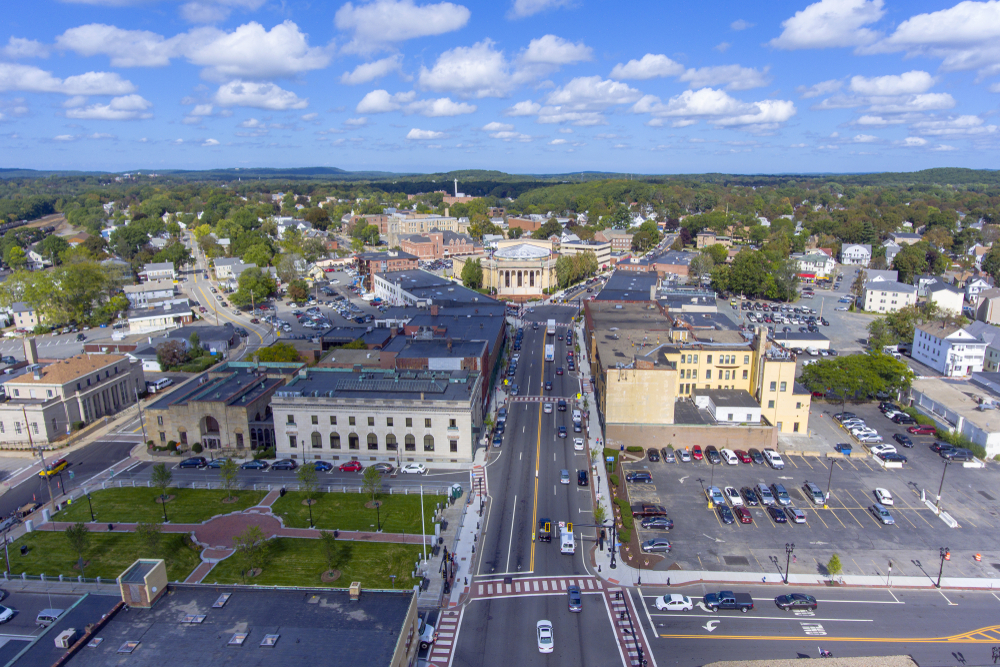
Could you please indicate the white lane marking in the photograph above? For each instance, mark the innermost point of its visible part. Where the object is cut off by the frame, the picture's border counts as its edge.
(950, 603)
(770, 618)
(711, 625)
(847, 601)
(510, 543)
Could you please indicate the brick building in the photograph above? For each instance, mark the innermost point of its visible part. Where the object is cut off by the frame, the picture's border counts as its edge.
(437, 244)
(621, 241)
(524, 223)
(370, 263)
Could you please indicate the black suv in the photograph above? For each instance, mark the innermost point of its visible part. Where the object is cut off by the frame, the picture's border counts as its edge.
(957, 454)
(653, 455)
(712, 454)
(903, 418)
(562, 405)
(639, 476)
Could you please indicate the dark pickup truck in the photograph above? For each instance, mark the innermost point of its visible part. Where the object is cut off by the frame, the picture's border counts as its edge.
(643, 510)
(729, 600)
(545, 530)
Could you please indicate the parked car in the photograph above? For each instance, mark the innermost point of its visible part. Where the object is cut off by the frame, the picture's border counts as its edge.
(743, 456)
(712, 455)
(668, 455)
(639, 477)
(774, 459)
(922, 430)
(777, 514)
(743, 514)
(193, 462)
(939, 446)
(351, 466)
(415, 468)
(696, 453)
(756, 456)
(795, 514)
(656, 545)
(714, 495)
(674, 602)
(384, 468)
(904, 440)
(322, 466)
(957, 454)
(284, 464)
(749, 497)
(725, 514)
(685, 455)
(883, 496)
(217, 463)
(255, 465)
(881, 514)
(733, 496)
(795, 601)
(653, 455)
(658, 523)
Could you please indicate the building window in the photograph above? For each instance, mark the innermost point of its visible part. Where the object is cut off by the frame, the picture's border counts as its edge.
(708, 358)
(727, 375)
(427, 422)
(410, 443)
(333, 421)
(749, 417)
(184, 437)
(784, 386)
(770, 405)
(48, 392)
(746, 374)
(353, 442)
(291, 419)
(390, 442)
(746, 358)
(334, 441)
(795, 427)
(372, 441)
(388, 422)
(371, 421)
(163, 436)
(239, 441)
(159, 420)
(292, 442)
(409, 422)
(317, 440)
(315, 419)
(798, 405)
(452, 423)
(428, 443)
(708, 374)
(774, 386)
(453, 444)
(350, 421)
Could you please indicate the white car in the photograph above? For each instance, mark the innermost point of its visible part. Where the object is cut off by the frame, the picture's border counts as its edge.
(578, 444)
(545, 639)
(844, 308)
(882, 449)
(733, 496)
(871, 439)
(774, 459)
(674, 602)
(417, 468)
(547, 408)
(6, 613)
(883, 496)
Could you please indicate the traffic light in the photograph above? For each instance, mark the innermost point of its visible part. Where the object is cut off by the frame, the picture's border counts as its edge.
(548, 527)
(71, 474)
(569, 526)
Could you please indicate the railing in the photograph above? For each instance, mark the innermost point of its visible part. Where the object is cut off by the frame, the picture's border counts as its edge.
(81, 492)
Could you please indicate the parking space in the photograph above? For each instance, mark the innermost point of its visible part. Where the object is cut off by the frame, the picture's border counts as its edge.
(844, 524)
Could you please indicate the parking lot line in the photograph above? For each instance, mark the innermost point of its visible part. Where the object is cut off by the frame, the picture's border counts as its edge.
(792, 462)
(762, 567)
(816, 511)
(832, 495)
(806, 461)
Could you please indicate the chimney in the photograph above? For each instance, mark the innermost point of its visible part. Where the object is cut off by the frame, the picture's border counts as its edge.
(38, 372)
(449, 343)
(446, 211)
(30, 351)
(434, 312)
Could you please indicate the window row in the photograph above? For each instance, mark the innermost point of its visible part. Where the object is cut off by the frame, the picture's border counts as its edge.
(774, 386)
(692, 374)
(724, 359)
(354, 442)
(389, 421)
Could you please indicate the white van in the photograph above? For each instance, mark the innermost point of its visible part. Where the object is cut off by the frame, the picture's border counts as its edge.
(159, 385)
(729, 456)
(567, 544)
(576, 415)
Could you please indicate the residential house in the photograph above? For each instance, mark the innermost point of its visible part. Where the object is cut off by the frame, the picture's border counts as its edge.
(158, 271)
(708, 238)
(949, 299)
(36, 262)
(991, 336)
(856, 253)
(975, 286)
(950, 349)
(25, 316)
(922, 282)
(977, 252)
(163, 315)
(988, 306)
(887, 296)
(149, 292)
(224, 267)
(815, 265)
(891, 250)
(620, 240)
(905, 238)
(671, 263)
(875, 275)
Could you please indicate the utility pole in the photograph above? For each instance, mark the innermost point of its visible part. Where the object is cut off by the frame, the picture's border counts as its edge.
(41, 452)
(141, 422)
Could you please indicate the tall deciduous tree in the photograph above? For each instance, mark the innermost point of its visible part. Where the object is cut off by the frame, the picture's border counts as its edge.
(78, 536)
(308, 483)
(472, 274)
(228, 473)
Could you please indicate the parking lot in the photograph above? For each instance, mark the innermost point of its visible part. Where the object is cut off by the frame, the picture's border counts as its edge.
(700, 541)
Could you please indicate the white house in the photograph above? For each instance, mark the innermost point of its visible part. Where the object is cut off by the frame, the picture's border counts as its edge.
(905, 238)
(974, 286)
(949, 349)
(891, 250)
(149, 292)
(977, 252)
(875, 275)
(949, 299)
(816, 265)
(991, 336)
(159, 271)
(887, 296)
(856, 253)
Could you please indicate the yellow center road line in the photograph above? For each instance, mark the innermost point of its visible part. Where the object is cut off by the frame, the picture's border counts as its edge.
(538, 452)
(978, 636)
(225, 316)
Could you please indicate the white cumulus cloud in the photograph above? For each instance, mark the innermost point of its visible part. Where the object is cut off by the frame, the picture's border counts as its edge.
(210, 142)
(497, 127)
(374, 70)
(821, 88)
(423, 135)
(733, 77)
(356, 122)
(34, 80)
(717, 108)
(864, 138)
(525, 108)
(511, 136)
(914, 141)
(523, 8)
(830, 23)
(553, 50)
(385, 23)
(128, 107)
(18, 47)
(650, 66)
(557, 142)
(966, 125)
(470, 71)
(894, 84)
(258, 95)
(380, 101)
(443, 106)
(740, 24)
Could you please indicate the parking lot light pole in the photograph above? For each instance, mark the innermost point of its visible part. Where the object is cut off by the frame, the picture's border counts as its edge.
(91, 505)
(789, 548)
(614, 540)
(945, 554)
(941, 487)
(829, 483)
(888, 580)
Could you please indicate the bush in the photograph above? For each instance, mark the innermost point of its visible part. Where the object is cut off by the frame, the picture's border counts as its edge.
(635, 449)
(171, 444)
(627, 521)
(149, 443)
(625, 535)
(614, 477)
(197, 448)
(77, 425)
(264, 454)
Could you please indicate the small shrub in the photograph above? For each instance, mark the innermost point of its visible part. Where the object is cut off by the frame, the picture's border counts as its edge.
(197, 448)
(264, 454)
(627, 521)
(670, 447)
(172, 444)
(633, 449)
(77, 425)
(625, 535)
(149, 443)
(614, 477)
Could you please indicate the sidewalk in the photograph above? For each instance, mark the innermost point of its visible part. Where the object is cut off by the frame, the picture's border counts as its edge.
(468, 532)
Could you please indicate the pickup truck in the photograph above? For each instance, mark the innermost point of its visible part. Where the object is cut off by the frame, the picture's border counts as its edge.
(729, 600)
(645, 510)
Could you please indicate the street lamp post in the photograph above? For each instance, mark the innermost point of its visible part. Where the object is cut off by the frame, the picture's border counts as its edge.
(941, 487)
(614, 540)
(829, 484)
(945, 555)
(888, 580)
(789, 548)
(91, 505)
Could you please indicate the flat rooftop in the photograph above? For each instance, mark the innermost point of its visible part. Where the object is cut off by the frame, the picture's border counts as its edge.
(415, 278)
(231, 388)
(628, 286)
(959, 396)
(313, 627)
(728, 398)
(375, 384)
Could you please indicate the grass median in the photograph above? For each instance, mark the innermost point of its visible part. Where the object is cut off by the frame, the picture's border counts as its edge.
(300, 562)
(346, 511)
(109, 554)
(139, 504)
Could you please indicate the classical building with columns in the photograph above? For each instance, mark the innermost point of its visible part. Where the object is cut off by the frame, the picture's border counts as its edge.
(519, 269)
(44, 404)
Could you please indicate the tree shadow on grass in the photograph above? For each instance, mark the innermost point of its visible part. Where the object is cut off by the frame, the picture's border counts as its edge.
(342, 555)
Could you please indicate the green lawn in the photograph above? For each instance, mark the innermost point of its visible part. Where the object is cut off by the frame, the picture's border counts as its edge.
(300, 562)
(109, 555)
(347, 511)
(138, 504)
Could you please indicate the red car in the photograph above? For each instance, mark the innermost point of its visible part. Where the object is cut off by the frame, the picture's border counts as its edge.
(743, 456)
(202, 309)
(696, 453)
(351, 466)
(743, 514)
(922, 430)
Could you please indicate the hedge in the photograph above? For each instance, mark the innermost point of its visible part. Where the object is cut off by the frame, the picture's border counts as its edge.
(633, 449)
(626, 513)
(960, 440)
(923, 420)
(614, 479)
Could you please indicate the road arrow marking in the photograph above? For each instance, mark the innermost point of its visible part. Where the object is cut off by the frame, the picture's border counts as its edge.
(819, 543)
(684, 478)
(714, 538)
(701, 605)
(711, 625)
(786, 478)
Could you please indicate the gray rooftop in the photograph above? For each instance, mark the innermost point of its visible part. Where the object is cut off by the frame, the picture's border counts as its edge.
(162, 308)
(797, 337)
(728, 398)
(628, 286)
(159, 266)
(890, 286)
(415, 278)
(315, 627)
(382, 384)
(437, 348)
(232, 388)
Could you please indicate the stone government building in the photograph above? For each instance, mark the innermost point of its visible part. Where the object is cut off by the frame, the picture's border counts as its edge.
(519, 269)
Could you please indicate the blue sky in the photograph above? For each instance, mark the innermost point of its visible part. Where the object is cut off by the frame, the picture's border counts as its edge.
(526, 86)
